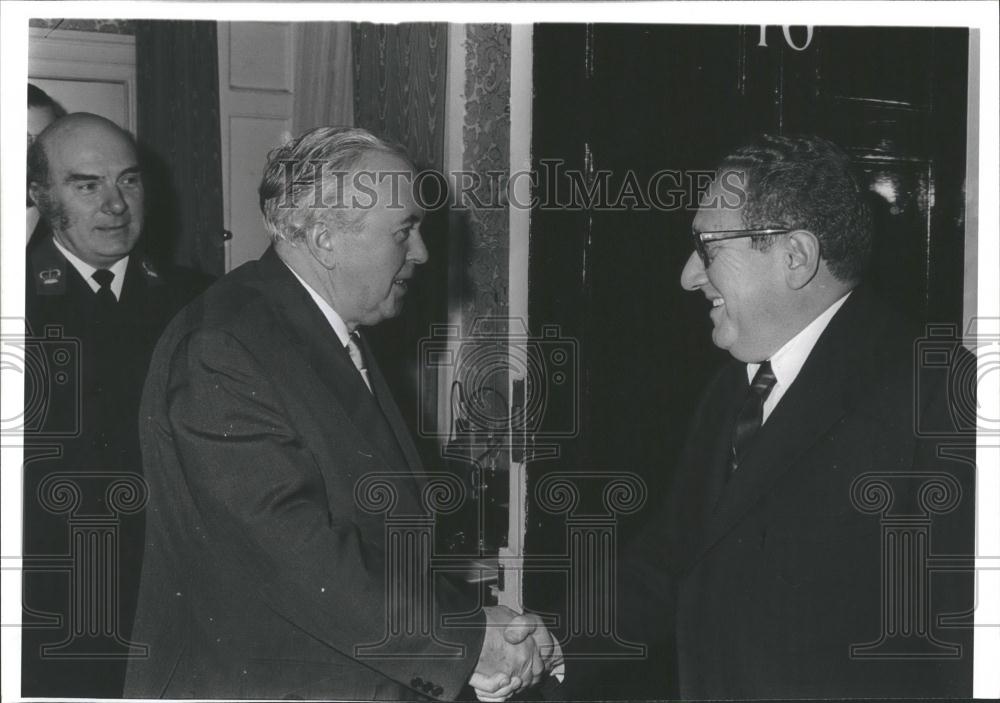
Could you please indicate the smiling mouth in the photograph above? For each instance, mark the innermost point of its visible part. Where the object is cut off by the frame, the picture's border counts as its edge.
(717, 303)
(401, 282)
(113, 228)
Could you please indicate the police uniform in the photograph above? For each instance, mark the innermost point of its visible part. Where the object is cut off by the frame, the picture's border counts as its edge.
(85, 368)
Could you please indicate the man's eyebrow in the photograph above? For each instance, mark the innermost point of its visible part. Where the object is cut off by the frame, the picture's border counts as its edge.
(78, 177)
(411, 220)
(74, 177)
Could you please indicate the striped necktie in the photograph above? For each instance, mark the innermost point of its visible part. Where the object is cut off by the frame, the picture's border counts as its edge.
(358, 357)
(751, 415)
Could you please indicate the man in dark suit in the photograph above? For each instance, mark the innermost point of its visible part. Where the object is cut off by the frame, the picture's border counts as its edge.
(806, 509)
(266, 573)
(95, 305)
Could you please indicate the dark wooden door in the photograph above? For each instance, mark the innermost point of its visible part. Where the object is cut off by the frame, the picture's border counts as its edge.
(616, 103)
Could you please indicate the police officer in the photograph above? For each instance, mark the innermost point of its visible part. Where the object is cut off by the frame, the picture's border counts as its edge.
(96, 306)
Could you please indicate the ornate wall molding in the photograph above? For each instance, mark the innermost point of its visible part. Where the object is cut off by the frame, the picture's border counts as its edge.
(486, 143)
(100, 26)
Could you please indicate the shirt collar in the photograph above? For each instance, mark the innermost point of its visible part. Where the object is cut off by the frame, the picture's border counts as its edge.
(788, 361)
(87, 271)
(336, 322)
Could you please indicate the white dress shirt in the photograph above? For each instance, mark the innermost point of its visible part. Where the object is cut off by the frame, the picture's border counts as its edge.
(788, 361)
(87, 271)
(335, 320)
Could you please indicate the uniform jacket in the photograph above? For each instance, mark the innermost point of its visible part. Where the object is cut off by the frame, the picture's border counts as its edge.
(265, 572)
(82, 392)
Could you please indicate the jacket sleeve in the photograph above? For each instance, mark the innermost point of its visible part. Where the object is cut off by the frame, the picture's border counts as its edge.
(262, 498)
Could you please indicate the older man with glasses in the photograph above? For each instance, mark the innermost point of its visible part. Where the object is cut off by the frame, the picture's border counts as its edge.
(776, 573)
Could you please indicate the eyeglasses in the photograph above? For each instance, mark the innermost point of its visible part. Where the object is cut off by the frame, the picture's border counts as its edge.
(701, 239)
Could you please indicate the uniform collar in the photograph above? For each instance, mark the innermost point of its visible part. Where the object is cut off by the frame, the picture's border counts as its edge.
(86, 271)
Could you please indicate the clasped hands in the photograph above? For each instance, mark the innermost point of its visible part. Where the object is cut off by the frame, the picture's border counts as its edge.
(518, 651)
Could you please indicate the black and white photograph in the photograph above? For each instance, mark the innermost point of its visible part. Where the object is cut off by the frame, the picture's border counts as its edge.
(500, 351)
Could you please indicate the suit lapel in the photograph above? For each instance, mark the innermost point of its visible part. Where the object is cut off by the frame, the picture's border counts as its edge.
(702, 498)
(310, 332)
(821, 394)
(391, 411)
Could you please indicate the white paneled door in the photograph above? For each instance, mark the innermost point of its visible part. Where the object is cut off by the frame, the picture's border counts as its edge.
(256, 82)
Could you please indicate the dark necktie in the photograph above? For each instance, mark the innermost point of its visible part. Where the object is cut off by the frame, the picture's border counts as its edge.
(106, 300)
(751, 415)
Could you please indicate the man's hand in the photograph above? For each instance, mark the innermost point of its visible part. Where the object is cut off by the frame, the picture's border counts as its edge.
(517, 651)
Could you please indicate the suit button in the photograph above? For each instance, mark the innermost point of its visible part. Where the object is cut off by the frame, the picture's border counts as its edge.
(416, 682)
(438, 690)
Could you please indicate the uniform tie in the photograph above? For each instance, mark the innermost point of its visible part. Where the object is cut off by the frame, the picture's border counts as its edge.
(358, 357)
(751, 415)
(106, 300)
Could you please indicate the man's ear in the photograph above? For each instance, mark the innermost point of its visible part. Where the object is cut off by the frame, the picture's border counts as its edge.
(801, 258)
(33, 190)
(321, 242)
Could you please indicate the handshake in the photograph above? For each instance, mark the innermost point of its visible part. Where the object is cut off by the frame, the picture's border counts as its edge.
(518, 651)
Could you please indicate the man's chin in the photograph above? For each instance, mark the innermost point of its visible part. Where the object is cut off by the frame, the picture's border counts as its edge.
(388, 311)
(722, 339)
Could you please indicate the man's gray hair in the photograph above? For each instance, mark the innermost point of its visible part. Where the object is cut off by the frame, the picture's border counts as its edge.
(292, 190)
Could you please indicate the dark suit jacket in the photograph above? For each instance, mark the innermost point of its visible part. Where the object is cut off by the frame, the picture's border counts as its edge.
(83, 403)
(772, 577)
(262, 572)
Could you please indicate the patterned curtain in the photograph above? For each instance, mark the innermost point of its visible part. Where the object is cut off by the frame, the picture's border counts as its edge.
(324, 85)
(399, 86)
(178, 130)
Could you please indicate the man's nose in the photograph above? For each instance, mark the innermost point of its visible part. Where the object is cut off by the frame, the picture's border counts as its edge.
(418, 250)
(114, 203)
(693, 276)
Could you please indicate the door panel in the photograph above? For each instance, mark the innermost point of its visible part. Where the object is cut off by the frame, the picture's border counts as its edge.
(256, 82)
